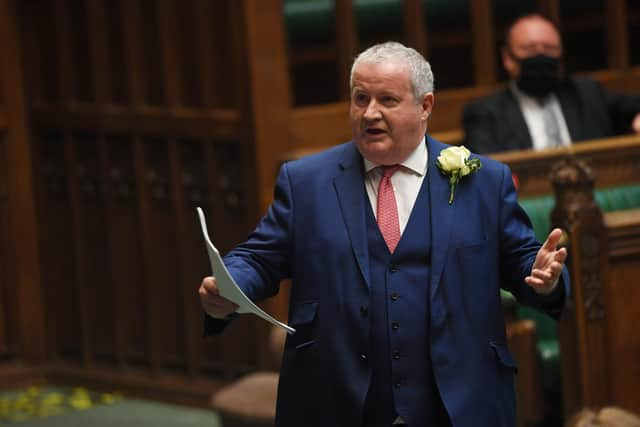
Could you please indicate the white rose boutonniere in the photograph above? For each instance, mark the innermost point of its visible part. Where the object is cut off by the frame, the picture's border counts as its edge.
(454, 163)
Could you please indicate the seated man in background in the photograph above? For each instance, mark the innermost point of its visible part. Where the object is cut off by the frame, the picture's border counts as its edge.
(542, 107)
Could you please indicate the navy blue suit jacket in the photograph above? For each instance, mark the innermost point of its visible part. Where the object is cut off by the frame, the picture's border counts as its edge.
(314, 233)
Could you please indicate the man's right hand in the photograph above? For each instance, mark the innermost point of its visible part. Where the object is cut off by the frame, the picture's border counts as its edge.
(212, 303)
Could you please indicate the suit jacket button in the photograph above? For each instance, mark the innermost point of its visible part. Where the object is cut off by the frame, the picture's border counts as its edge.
(394, 296)
(364, 310)
(393, 268)
(363, 357)
(395, 325)
(396, 355)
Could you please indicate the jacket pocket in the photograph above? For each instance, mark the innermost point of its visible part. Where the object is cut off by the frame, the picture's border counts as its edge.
(302, 319)
(303, 313)
(504, 355)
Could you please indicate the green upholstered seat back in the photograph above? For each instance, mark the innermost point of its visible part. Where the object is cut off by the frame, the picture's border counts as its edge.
(539, 210)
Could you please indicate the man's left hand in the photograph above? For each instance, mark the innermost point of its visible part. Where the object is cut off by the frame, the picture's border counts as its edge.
(548, 264)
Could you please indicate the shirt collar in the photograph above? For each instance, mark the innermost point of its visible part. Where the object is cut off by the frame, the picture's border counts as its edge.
(523, 97)
(416, 162)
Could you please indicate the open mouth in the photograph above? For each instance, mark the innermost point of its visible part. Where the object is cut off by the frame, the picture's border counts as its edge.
(374, 131)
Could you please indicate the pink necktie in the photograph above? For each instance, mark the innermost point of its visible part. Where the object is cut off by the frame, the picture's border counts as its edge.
(388, 209)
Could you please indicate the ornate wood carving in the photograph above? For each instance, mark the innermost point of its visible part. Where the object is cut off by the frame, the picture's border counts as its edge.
(576, 209)
(591, 279)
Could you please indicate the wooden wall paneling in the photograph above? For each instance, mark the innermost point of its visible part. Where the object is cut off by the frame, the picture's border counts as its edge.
(170, 56)
(623, 367)
(67, 73)
(24, 266)
(550, 8)
(217, 357)
(189, 54)
(4, 243)
(484, 46)
(80, 249)
(100, 52)
(134, 52)
(127, 238)
(154, 77)
(97, 286)
(151, 296)
(39, 35)
(346, 44)
(268, 78)
(415, 30)
(183, 254)
(209, 72)
(239, 350)
(163, 283)
(117, 315)
(57, 252)
(617, 32)
(167, 284)
(188, 174)
(115, 57)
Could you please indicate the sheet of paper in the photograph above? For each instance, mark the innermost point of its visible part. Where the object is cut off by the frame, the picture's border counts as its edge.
(228, 287)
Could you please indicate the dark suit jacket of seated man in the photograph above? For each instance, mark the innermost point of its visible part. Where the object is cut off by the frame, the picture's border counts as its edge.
(395, 275)
(513, 120)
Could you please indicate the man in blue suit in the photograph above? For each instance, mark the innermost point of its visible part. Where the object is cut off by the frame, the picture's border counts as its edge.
(397, 247)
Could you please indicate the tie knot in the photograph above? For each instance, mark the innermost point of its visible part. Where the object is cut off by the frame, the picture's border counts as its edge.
(388, 171)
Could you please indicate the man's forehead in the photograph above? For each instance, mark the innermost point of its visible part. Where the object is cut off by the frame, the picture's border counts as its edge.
(534, 29)
(391, 69)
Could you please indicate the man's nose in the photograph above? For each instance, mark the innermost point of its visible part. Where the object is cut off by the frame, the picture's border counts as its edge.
(372, 112)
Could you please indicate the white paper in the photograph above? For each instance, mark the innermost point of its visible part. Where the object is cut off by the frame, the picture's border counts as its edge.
(228, 287)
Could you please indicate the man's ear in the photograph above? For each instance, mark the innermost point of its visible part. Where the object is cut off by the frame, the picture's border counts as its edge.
(428, 100)
(510, 65)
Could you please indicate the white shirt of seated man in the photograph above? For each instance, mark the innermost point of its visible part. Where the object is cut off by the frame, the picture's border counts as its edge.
(544, 118)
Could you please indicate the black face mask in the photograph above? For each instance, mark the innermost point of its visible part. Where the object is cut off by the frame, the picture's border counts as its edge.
(539, 75)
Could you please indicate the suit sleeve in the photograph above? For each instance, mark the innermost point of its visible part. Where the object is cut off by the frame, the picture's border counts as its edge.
(480, 131)
(622, 109)
(519, 248)
(263, 260)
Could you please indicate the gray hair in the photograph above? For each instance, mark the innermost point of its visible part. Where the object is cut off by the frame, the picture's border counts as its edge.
(420, 73)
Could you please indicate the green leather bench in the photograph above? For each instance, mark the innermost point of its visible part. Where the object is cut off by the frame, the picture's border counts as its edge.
(539, 210)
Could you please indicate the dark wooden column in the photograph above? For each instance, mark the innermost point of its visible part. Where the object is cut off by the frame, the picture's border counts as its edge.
(484, 49)
(267, 94)
(23, 268)
(582, 327)
(550, 8)
(617, 34)
(346, 43)
(415, 33)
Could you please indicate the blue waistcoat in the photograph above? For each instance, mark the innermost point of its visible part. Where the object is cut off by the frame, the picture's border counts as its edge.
(402, 381)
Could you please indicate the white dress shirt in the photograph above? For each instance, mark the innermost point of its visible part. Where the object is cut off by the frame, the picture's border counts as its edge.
(406, 182)
(533, 111)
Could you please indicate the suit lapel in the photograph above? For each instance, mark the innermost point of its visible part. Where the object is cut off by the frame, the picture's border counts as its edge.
(515, 120)
(441, 214)
(571, 111)
(349, 185)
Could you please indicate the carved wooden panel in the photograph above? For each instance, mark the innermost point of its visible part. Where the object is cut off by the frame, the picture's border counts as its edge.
(92, 238)
(622, 290)
(125, 251)
(4, 280)
(57, 247)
